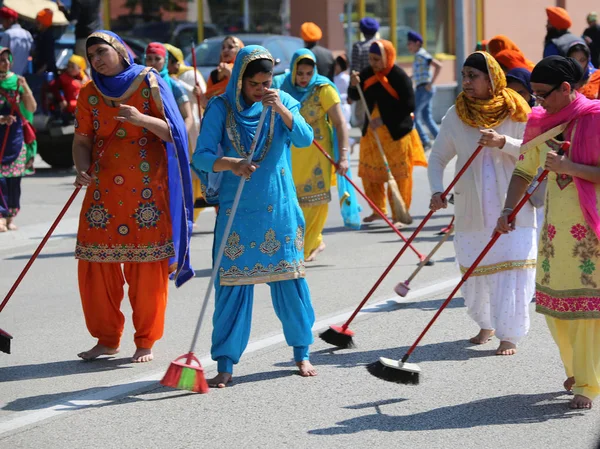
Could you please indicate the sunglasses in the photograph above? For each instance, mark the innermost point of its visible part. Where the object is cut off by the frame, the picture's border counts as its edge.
(546, 95)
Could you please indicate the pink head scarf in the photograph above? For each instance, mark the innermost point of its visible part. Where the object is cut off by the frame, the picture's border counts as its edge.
(584, 150)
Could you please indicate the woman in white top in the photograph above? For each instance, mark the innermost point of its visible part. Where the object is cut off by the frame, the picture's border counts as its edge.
(486, 113)
(341, 79)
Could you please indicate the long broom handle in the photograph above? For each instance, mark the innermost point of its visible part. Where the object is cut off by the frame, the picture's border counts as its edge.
(228, 226)
(430, 255)
(375, 208)
(196, 79)
(379, 146)
(410, 239)
(532, 188)
(55, 224)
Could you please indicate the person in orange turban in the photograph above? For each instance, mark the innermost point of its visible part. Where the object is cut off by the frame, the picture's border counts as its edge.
(311, 34)
(500, 43)
(44, 58)
(512, 59)
(558, 38)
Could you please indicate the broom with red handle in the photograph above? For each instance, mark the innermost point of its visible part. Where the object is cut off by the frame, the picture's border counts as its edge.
(4, 340)
(400, 371)
(341, 336)
(373, 206)
(186, 372)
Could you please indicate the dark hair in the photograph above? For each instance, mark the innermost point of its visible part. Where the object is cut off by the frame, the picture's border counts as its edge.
(307, 61)
(342, 62)
(579, 47)
(258, 66)
(477, 61)
(553, 33)
(95, 41)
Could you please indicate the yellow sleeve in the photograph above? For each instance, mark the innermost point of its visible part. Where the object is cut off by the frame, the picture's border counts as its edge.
(329, 97)
(528, 164)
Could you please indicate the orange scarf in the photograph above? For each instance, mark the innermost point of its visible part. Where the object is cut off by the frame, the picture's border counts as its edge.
(388, 55)
(592, 88)
(505, 103)
(501, 42)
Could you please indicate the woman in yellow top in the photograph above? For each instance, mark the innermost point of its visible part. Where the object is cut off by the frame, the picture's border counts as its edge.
(311, 170)
(391, 100)
(568, 274)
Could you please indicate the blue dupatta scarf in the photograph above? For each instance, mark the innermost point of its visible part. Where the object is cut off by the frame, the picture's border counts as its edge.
(349, 206)
(120, 87)
(242, 120)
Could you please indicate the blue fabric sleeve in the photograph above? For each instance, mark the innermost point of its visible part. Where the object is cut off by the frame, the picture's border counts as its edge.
(179, 94)
(301, 133)
(211, 135)
(551, 50)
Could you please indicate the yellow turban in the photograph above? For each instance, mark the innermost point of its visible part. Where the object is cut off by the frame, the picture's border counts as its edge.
(78, 61)
(178, 55)
(310, 32)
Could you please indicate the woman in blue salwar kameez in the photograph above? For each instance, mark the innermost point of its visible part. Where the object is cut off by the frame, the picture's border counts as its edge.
(266, 242)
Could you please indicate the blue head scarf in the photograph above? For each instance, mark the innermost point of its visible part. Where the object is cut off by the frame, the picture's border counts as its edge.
(119, 88)
(522, 76)
(350, 208)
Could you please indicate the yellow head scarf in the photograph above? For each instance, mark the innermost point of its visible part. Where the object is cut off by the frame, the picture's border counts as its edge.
(504, 102)
(178, 55)
(79, 61)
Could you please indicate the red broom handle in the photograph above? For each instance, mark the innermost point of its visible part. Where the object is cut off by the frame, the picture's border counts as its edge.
(495, 237)
(196, 79)
(375, 208)
(410, 239)
(55, 224)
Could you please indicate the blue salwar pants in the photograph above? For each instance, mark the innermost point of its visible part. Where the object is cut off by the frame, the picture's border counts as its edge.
(10, 197)
(233, 315)
(424, 115)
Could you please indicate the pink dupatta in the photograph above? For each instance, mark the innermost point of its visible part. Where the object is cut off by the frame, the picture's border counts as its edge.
(585, 149)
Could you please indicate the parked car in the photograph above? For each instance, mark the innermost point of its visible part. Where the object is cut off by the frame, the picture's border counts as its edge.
(282, 48)
(178, 33)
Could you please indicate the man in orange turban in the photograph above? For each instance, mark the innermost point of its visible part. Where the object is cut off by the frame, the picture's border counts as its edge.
(311, 34)
(512, 59)
(44, 58)
(558, 39)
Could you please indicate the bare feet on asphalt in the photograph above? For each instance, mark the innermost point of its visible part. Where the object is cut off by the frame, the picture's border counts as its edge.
(220, 380)
(306, 368)
(482, 337)
(506, 348)
(142, 355)
(580, 402)
(371, 218)
(569, 383)
(315, 252)
(96, 352)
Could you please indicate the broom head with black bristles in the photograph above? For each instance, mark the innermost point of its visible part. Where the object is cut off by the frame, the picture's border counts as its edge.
(399, 210)
(395, 371)
(338, 336)
(5, 339)
(186, 373)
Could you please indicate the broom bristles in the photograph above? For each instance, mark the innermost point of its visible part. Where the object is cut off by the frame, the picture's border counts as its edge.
(5, 339)
(398, 206)
(342, 340)
(185, 377)
(396, 375)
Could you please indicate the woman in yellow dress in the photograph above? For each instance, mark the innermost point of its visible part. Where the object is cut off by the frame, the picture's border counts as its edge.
(321, 108)
(568, 278)
(391, 101)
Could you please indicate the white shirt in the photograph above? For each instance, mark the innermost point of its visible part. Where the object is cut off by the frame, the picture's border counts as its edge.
(342, 81)
(19, 41)
(460, 140)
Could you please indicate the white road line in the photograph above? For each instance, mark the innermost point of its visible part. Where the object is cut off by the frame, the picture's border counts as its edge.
(148, 382)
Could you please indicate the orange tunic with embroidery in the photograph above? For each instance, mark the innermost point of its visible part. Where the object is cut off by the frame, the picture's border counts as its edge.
(125, 214)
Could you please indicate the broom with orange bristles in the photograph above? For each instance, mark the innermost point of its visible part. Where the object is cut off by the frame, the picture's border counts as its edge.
(186, 372)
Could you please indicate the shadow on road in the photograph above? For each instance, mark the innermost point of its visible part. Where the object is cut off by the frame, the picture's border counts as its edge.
(514, 409)
(53, 172)
(42, 256)
(63, 368)
(401, 304)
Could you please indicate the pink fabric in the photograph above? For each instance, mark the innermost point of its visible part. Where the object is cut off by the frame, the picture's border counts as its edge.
(585, 149)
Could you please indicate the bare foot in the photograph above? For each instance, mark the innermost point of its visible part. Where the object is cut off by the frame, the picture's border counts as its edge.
(10, 225)
(142, 355)
(482, 337)
(315, 252)
(3, 227)
(220, 380)
(399, 225)
(96, 352)
(371, 218)
(306, 368)
(506, 348)
(580, 402)
(569, 383)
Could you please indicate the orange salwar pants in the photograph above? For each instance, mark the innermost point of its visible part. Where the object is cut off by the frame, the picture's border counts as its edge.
(376, 191)
(101, 290)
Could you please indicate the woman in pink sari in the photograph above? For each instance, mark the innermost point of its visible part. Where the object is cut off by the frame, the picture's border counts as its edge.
(568, 265)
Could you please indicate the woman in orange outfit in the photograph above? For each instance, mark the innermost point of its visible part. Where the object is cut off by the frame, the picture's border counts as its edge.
(135, 221)
(219, 77)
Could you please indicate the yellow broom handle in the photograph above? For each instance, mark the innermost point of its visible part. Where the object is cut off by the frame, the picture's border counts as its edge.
(364, 102)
